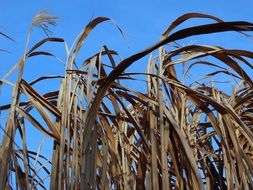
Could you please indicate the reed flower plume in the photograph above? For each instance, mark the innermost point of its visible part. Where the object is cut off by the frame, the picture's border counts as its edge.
(43, 20)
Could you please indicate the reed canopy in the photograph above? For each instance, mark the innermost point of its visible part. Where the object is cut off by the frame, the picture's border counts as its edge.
(185, 122)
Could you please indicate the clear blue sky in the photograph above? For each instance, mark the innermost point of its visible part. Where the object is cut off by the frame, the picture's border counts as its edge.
(142, 21)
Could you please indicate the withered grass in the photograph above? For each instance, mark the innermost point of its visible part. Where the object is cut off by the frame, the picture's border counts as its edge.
(109, 136)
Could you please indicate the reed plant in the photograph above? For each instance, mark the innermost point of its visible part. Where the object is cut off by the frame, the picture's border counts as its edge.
(176, 132)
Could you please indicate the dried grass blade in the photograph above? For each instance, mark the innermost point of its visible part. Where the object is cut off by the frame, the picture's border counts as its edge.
(35, 123)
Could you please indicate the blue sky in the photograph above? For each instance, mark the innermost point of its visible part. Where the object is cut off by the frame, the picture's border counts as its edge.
(142, 22)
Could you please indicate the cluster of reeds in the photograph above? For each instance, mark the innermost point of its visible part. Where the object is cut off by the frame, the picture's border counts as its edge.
(173, 135)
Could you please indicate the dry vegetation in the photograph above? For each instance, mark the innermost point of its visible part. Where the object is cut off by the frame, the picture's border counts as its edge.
(109, 136)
